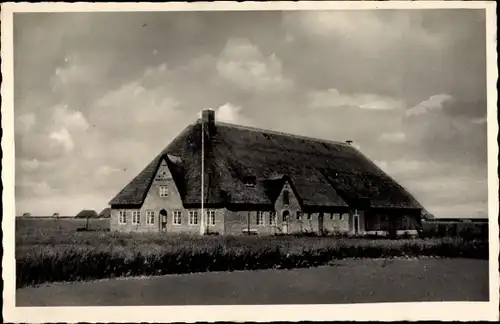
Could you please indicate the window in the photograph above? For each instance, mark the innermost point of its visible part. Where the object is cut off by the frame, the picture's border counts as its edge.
(286, 197)
(136, 217)
(309, 216)
(272, 218)
(193, 217)
(211, 217)
(164, 191)
(177, 217)
(162, 176)
(249, 181)
(150, 217)
(341, 216)
(336, 216)
(260, 218)
(122, 219)
(299, 215)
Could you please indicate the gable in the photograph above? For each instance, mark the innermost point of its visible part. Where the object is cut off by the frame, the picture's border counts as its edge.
(287, 197)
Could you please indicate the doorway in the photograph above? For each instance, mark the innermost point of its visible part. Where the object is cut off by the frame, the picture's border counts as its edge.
(163, 220)
(284, 222)
(356, 224)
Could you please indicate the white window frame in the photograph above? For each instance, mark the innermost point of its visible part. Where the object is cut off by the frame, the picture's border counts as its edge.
(177, 217)
(341, 216)
(260, 219)
(211, 217)
(272, 218)
(299, 215)
(150, 217)
(122, 216)
(136, 217)
(309, 216)
(192, 214)
(163, 191)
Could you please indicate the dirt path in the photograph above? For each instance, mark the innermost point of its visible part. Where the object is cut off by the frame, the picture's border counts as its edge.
(347, 281)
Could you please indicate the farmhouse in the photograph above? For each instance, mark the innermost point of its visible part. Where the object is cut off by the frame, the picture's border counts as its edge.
(236, 180)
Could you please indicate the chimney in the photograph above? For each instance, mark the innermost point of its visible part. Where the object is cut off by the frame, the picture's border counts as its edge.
(349, 142)
(208, 116)
(208, 120)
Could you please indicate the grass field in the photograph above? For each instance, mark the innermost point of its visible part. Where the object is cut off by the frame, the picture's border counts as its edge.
(344, 281)
(51, 250)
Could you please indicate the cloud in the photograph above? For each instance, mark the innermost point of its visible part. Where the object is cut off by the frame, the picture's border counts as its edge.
(481, 120)
(243, 64)
(29, 165)
(63, 138)
(232, 114)
(405, 166)
(435, 102)
(397, 137)
(24, 123)
(35, 188)
(73, 120)
(106, 170)
(333, 98)
(363, 28)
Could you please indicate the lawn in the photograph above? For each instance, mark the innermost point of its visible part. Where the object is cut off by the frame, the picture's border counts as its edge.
(343, 281)
(53, 250)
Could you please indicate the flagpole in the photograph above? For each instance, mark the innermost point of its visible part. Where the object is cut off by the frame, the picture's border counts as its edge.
(202, 225)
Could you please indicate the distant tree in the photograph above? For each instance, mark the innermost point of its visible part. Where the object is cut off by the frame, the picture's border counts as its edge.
(26, 215)
(56, 215)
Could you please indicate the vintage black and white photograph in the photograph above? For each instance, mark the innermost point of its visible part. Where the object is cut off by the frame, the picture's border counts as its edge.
(251, 157)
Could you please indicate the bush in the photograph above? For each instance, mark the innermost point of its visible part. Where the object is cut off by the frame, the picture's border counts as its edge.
(94, 255)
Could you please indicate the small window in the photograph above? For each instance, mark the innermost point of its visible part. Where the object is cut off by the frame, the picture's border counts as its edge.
(260, 218)
(309, 216)
(150, 217)
(249, 181)
(286, 197)
(164, 191)
(193, 217)
(177, 217)
(272, 218)
(136, 217)
(266, 136)
(211, 217)
(122, 219)
(299, 215)
(341, 216)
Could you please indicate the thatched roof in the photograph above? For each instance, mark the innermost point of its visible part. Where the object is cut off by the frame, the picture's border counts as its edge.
(87, 214)
(105, 213)
(322, 173)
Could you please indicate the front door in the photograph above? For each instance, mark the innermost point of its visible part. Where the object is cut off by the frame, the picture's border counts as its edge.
(284, 222)
(163, 220)
(356, 224)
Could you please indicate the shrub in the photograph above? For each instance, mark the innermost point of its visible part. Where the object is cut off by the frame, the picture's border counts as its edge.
(94, 255)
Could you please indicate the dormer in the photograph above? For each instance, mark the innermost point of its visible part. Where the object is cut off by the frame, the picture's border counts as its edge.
(250, 181)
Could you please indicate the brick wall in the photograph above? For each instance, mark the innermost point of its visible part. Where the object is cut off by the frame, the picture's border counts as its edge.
(155, 203)
(234, 222)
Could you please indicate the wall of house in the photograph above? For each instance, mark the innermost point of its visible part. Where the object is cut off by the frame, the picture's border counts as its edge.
(379, 220)
(240, 222)
(292, 225)
(173, 202)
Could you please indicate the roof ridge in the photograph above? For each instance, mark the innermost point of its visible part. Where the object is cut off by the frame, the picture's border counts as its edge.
(269, 131)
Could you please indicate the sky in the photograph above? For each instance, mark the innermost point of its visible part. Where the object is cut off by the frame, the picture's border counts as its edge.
(98, 95)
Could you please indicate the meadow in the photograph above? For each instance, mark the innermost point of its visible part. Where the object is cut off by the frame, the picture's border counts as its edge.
(49, 250)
